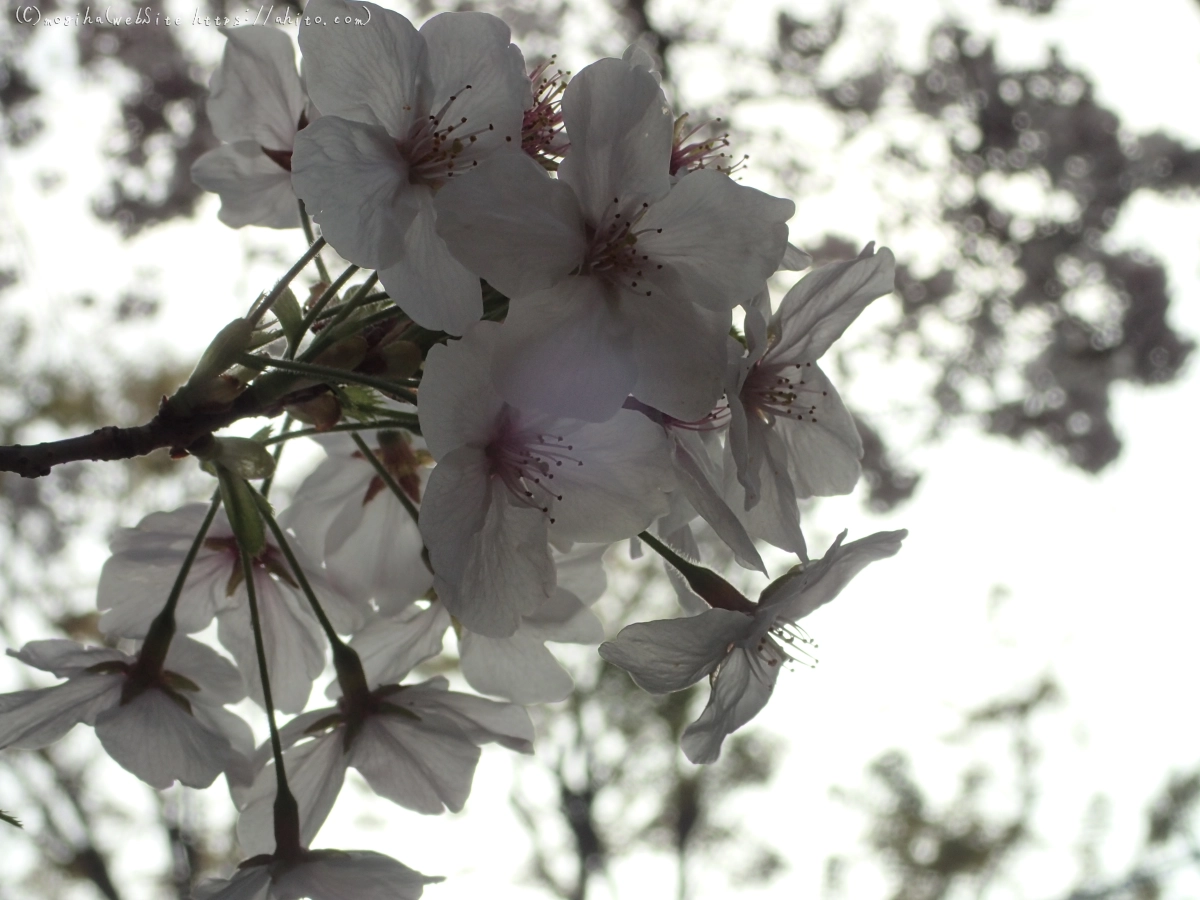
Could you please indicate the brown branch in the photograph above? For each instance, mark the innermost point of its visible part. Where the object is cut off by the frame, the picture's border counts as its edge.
(167, 429)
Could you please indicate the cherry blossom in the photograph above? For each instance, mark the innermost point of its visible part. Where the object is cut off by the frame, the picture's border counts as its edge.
(417, 745)
(790, 435)
(163, 722)
(256, 105)
(319, 875)
(138, 577)
(344, 514)
(404, 112)
(507, 479)
(619, 282)
(739, 644)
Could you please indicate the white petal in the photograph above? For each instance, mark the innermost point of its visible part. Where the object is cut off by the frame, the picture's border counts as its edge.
(377, 73)
(776, 517)
(34, 719)
(355, 185)
(824, 449)
(425, 766)
(65, 658)
(350, 875)
(426, 281)
(672, 654)
(518, 668)
(679, 349)
(581, 571)
(390, 647)
(795, 596)
(615, 480)
(216, 676)
(513, 224)
(567, 351)
(821, 306)
(254, 189)
(291, 637)
(458, 404)
(255, 94)
(315, 773)
(742, 688)
(251, 883)
(156, 740)
(509, 571)
(482, 721)
(473, 48)
(692, 467)
(621, 131)
(565, 620)
(719, 240)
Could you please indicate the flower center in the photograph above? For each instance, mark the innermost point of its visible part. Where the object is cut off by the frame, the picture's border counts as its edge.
(612, 249)
(435, 145)
(526, 462)
(772, 391)
(542, 132)
(707, 154)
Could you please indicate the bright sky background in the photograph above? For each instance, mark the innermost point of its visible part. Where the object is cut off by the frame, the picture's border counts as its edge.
(1097, 572)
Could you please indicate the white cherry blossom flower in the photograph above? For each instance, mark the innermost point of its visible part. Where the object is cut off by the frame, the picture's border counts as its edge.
(404, 112)
(417, 745)
(163, 726)
(136, 580)
(319, 875)
(256, 105)
(619, 282)
(740, 645)
(790, 435)
(507, 479)
(344, 514)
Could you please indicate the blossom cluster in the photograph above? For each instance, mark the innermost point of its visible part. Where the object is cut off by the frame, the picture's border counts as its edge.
(601, 393)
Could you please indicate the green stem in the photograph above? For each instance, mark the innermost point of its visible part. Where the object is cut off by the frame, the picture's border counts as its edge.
(287, 813)
(711, 587)
(276, 453)
(306, 224)
(327, 333)
(162, 629)
(329, 293)
(409, 423)
(395, 488)
(328, 374)
(349, 668)
(260, 308)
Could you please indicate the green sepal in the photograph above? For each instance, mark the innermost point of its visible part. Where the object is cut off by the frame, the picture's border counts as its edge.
(241, 456)
(222, 352)
(10, 819)
(287, 311)
(242, 510)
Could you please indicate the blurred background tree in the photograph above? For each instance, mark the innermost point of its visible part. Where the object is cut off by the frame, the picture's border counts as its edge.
(1001, 186)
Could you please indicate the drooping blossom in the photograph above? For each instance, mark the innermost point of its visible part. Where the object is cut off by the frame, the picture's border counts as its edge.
(136, 580)
(790, 435)
(257, 105)
(163, 722)
(740, 645)
(619, 281)
(404, 113)
(344, 513)
(507, 479)
(319, 875)
(417, 745)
